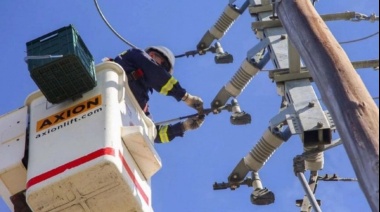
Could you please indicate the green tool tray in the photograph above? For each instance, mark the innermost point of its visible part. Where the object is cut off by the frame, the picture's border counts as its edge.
(61, 65)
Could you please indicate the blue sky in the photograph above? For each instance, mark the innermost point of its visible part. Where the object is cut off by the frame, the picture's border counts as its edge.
(193, 163)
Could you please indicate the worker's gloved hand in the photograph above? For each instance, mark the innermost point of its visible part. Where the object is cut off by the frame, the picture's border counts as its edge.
(194, 102)
(193, 122)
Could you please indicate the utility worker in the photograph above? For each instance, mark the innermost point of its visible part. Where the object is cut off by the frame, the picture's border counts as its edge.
(150, 70)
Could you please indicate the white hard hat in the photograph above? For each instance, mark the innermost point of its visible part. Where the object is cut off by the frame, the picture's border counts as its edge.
(166, 53)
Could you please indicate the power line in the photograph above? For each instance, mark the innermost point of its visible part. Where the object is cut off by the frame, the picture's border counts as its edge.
(109, 26)
(360, 39)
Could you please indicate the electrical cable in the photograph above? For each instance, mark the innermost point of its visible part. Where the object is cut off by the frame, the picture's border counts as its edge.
(109, 26)
(360, 39)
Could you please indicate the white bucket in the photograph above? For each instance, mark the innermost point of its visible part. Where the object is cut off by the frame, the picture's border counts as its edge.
(83, 153)
(13, 128)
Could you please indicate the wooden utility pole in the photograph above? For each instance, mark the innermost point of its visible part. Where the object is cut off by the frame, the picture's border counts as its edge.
(354, 112)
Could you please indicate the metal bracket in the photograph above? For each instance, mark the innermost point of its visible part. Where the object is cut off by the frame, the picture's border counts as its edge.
(348, 16)
(281, 75)
(253, 10)
(294, 124)
(330, 120)
(232, 185)
(286, 75)
(282, 117)
(238, 174)
(312, 119)
(253, 52)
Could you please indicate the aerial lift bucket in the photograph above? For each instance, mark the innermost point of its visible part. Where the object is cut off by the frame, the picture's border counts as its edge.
(92, 154)
(13, 127)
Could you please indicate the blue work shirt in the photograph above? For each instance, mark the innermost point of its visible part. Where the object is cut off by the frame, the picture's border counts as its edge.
(153, 77)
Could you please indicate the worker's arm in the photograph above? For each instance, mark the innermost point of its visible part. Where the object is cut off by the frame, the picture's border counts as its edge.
(166, 133)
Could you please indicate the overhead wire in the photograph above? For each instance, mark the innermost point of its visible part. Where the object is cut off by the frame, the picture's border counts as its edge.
(360, 39)
(109, 26)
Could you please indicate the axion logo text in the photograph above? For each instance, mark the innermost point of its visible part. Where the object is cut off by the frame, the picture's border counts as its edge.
(69, 113)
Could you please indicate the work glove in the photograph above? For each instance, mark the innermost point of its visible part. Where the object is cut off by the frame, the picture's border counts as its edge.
(194, 102)
(193, 122)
